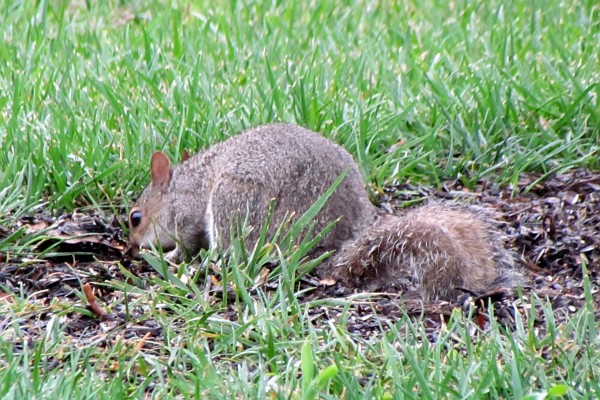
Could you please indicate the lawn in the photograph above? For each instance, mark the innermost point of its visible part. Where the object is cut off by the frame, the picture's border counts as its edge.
(420, 92)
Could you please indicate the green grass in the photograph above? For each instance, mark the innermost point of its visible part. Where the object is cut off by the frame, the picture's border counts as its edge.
(274, 348)
(89, 89)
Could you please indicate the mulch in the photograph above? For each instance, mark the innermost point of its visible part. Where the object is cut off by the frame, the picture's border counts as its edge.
(553, 224)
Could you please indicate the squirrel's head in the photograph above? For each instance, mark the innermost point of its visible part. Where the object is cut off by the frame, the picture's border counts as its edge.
(150, 220)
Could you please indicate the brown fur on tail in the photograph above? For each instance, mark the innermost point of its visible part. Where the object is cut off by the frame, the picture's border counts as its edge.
(435, 249)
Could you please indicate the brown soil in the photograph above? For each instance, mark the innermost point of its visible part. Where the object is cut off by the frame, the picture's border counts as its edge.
(554, 225)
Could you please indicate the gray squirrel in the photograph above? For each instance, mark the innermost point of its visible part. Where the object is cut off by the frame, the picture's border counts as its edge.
(435, 250)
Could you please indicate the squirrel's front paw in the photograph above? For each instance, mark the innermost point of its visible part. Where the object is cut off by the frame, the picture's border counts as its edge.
(175, 256)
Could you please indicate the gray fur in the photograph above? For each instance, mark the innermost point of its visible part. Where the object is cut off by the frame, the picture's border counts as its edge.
(433, 249)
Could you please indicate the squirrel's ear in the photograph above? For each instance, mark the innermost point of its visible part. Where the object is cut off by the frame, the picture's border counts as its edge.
(160, 168)
(185, 155)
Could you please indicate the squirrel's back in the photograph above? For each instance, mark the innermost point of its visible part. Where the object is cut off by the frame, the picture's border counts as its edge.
(293, 166)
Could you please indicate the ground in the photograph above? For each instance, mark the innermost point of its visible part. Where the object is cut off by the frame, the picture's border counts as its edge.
(552, 223)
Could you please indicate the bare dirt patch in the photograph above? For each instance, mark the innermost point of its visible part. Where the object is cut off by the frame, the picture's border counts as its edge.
(553, 225)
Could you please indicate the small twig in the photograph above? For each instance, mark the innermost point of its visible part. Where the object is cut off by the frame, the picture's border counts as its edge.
(89, 295)
(520, 211)
(6, 297)
(141, 343)
(578, 184)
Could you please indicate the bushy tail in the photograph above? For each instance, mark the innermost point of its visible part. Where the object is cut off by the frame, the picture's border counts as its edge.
(432, 251)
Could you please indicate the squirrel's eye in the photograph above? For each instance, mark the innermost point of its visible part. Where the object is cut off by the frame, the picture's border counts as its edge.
(135, 218)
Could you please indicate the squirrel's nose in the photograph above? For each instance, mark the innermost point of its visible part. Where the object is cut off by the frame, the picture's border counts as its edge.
(134, 251)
